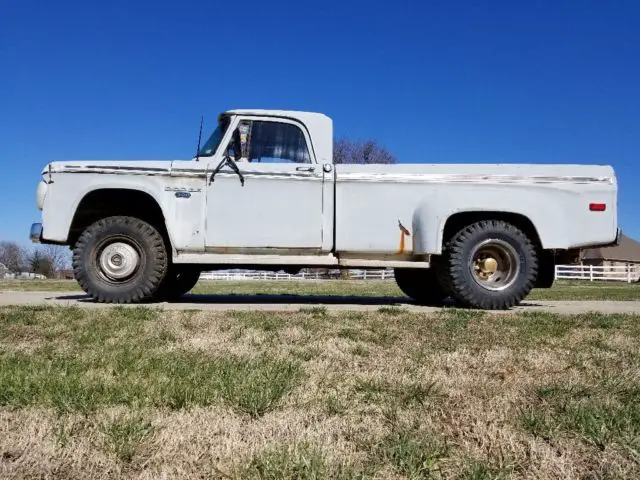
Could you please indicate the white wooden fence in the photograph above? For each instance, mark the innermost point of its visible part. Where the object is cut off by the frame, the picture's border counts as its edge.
(622, 273)
(616, 273)
(250, 275)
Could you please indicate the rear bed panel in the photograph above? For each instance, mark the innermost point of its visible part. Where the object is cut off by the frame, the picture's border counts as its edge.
(372, 200)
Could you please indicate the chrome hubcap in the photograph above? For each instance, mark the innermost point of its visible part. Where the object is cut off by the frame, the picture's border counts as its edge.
(495, 264)
(119, 260)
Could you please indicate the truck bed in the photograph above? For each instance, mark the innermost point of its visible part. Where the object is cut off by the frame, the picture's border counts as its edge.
(374, 201)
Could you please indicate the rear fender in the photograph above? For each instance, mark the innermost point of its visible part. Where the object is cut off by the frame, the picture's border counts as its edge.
(433, 211)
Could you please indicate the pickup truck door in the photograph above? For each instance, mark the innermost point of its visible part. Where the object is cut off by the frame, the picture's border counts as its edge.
(280, 204)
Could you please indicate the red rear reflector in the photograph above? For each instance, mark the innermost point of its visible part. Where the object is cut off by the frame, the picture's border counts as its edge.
(597, 207)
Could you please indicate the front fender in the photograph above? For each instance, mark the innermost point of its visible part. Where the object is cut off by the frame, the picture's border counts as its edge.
(69, 189)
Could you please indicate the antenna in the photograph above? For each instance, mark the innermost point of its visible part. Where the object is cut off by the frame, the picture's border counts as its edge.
(199, 138)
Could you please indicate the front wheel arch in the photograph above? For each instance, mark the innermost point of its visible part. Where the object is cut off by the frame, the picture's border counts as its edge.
(107, 202)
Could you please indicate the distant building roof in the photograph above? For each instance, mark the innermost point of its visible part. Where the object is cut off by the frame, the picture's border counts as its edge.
(627, 251)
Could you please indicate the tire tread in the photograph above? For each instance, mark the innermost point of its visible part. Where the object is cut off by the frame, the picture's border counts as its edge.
(157, 254)
(452, 274)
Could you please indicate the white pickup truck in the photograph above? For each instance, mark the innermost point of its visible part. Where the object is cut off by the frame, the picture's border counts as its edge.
(263, 193)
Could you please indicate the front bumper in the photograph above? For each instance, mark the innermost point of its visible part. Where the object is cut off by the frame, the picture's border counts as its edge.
(35, 234)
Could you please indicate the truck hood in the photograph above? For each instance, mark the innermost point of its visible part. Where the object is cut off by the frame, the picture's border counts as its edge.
(108, 166)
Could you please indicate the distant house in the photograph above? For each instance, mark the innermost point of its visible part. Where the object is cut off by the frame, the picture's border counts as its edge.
(627, 253)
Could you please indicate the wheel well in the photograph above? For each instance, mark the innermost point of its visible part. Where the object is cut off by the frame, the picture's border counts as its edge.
(546, 258)
(458, 221)
(116, 201)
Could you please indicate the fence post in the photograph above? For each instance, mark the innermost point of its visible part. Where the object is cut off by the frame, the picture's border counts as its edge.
(591, 273)
(628, 273)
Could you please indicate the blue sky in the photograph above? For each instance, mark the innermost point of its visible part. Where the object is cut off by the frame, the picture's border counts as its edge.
(433, 81)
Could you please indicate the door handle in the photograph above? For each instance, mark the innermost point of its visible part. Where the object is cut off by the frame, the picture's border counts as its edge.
(305, 169)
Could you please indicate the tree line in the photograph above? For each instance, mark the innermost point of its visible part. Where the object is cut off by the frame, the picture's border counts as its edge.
(361, 152)
(47, 260)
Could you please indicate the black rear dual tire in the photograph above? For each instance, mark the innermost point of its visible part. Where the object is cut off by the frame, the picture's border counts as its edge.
(421, 285)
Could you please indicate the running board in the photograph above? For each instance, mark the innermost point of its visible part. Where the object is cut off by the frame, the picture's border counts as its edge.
(298, 260)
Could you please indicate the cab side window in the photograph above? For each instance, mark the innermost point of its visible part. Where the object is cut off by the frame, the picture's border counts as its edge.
(277, 142)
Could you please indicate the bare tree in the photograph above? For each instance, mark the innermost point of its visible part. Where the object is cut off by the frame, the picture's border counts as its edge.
(360, 152)
(41, 264)
(13, 256)
(59, 255)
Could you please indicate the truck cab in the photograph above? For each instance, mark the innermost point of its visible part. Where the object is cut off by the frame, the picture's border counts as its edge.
(281, 187)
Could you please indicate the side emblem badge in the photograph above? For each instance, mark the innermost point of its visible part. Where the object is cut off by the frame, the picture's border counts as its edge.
(183, 195)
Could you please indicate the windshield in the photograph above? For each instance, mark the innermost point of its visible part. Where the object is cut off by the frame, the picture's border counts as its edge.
(211, 145)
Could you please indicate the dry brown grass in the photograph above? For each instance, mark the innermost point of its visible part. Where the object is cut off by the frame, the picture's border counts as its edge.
(137, 393)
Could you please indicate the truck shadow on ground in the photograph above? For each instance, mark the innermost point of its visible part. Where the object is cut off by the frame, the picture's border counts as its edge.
(283, 299)
(264, 299)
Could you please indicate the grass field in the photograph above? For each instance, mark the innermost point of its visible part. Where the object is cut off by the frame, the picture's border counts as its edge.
(562, 290)
(145, 393)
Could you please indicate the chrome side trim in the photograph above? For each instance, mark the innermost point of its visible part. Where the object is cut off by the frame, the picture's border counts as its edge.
(100, 168)
(189, 173)
(176, 172)
(346, 177)
(116, 171)
(464, 178)
(278, 175)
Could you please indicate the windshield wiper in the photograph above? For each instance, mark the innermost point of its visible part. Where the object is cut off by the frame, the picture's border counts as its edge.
(227, 161)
